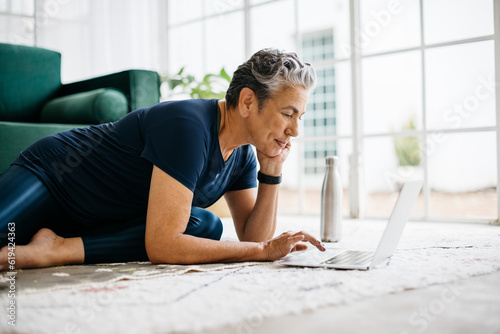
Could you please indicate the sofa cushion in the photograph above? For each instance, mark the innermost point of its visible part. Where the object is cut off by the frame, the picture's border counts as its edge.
(93, 107)
(29, 77)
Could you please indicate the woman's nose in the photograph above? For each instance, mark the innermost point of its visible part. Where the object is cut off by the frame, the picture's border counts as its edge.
(293, 130)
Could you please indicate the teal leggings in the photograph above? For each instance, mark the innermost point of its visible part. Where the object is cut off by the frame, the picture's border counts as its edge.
(26, 206)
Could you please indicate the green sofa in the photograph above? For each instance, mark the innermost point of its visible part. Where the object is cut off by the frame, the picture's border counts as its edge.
(34, 103)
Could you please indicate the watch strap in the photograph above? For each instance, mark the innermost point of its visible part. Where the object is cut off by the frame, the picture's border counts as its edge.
(267, 179)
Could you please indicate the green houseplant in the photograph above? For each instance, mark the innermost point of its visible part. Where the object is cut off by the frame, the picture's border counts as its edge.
(408, 148)
(212, 86)
(407, 151)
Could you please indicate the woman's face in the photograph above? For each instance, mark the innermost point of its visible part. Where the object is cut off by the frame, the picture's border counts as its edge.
(278, 120)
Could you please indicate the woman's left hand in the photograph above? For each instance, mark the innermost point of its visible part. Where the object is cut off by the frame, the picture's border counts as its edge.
(273, 165)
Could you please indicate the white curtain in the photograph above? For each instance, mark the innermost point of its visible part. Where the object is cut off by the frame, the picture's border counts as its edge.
(97, 37)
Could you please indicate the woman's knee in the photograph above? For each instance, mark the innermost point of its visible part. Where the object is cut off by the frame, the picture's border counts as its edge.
(204, 224)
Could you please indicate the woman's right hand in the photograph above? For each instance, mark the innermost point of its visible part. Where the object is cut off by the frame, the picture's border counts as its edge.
(289, 242)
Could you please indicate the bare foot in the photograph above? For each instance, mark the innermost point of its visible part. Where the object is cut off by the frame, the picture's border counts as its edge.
(45, 249)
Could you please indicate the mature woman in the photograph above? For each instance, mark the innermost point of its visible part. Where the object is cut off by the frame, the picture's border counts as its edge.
(135, 189)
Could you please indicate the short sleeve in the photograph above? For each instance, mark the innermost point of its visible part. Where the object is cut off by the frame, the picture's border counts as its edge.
(177, 145)
(246, 172)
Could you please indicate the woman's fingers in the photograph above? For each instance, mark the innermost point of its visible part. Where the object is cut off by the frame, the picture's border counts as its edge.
(299, 247)
(312, 240)
(289, 242)
(296, 238)
(293, 243)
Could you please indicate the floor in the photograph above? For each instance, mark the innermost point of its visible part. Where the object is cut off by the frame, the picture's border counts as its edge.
(467, 306)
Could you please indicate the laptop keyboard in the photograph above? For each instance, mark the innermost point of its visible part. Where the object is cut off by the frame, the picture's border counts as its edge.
(350, 258)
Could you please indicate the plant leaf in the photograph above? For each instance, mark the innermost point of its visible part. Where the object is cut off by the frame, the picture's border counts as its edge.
(223, 74)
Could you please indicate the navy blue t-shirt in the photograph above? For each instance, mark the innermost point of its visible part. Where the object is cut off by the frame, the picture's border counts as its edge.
(102, 173)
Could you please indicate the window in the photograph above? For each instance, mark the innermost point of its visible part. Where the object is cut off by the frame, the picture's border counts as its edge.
(430, 96)
(321, 118)
(425, 100)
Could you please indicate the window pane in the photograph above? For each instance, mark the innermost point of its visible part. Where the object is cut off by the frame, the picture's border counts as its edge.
(463, 176)
(60, 36)
(17, 30)
(75, 11)
(460, 90)
(218, 55)
(314, 168)
(320, 15)
(221, 6)
(256, 2)
(318, 46)
(187, 43)
(21, 7)
(448, 20)
(329, 109)
(343, 98)
(387, 162)
(184, 10)
(391, 93)
(273, 26)
(388, 25)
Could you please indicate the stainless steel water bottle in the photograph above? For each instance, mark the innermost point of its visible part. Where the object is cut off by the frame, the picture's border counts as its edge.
(331, 202)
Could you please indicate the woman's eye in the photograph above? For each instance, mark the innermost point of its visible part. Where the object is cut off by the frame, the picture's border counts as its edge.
(288, 116)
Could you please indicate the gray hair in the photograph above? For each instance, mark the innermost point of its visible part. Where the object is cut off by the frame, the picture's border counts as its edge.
(267, 72)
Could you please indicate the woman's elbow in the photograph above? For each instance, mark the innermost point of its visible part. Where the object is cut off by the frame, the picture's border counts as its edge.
(156, 257)
(156, 253)
(163, 254)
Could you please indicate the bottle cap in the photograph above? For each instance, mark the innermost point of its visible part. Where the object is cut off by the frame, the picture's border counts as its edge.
(332, 161)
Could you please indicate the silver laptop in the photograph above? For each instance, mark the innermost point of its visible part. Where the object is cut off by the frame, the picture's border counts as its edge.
(353, 259)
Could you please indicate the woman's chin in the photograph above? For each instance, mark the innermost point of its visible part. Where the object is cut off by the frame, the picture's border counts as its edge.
(276, 153)
(272, 152)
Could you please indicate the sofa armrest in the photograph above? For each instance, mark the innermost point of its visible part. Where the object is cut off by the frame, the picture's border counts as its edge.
(140, 87)
(92, 107)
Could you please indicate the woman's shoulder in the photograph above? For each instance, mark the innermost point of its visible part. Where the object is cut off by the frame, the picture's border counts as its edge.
(196, 117)
(196, 109)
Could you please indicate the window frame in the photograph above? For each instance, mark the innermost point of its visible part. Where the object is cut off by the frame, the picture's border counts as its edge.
(357, 136)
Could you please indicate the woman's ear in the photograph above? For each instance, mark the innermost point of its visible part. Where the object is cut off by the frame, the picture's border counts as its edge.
(247, 101)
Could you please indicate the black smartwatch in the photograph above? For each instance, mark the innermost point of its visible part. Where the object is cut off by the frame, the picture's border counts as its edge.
(263, 178)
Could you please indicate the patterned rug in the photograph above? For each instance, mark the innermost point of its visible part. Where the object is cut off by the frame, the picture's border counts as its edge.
(68, 277)
(140, 297)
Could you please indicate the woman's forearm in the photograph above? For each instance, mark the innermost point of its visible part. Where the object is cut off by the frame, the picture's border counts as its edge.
(261, 223)
(187, 249)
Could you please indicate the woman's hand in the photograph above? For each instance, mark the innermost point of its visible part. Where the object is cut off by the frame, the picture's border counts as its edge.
(273, 165)
(288, 242)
